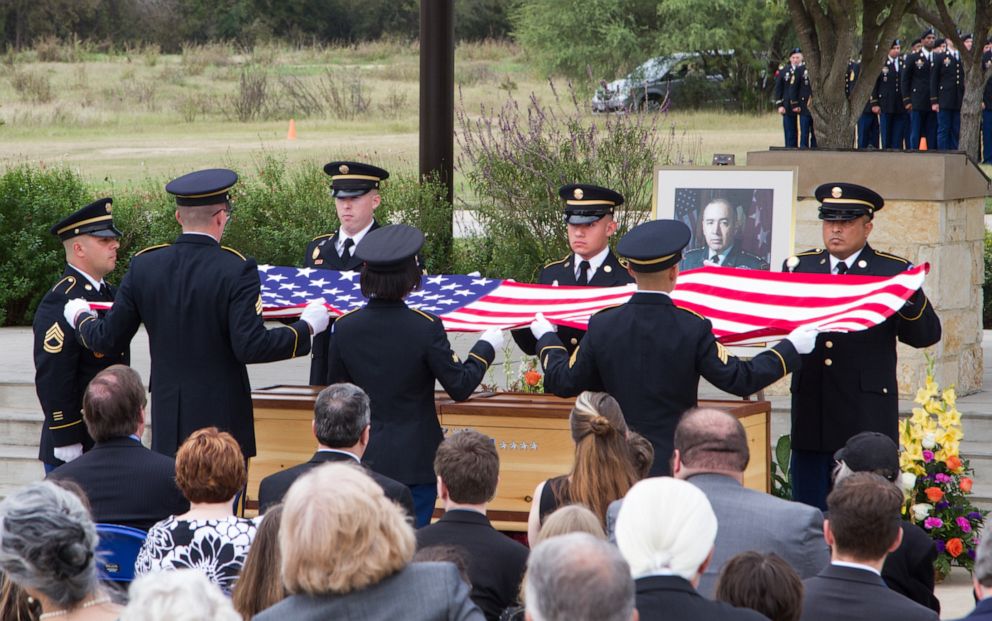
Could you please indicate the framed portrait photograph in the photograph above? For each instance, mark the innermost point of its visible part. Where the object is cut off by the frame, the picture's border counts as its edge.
(740, 216)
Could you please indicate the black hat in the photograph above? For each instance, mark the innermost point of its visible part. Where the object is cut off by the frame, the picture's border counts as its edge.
(870, 451)
(917, 41)
(350, 179)
(895, 42)
(390, 248)
(967, 36)
(847, 201)
(587, 203)
(939, 42)
(796, 50)
(927, 33)
(94, 219)
(654, 245)
(203, 187)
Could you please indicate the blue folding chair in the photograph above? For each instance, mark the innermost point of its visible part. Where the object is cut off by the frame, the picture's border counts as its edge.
(117, 551)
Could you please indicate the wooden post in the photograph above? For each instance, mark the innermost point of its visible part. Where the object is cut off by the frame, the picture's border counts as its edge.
(437, 90)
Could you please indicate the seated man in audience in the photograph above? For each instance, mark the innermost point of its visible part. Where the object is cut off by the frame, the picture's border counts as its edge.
(577, 577)
(341, 425)
(467, 468)
(125, 482)
(711, 452)
(981, 579)
(862, 528)
(665, 531)
(909, 569)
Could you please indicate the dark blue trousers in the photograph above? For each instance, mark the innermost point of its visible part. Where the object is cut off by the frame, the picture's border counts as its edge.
(812, 472)
(807, 137)
(790, 129)
(922, 123)
(893, 128)
(424, 498)
(868, 131)
(948, 129)
(987, 136)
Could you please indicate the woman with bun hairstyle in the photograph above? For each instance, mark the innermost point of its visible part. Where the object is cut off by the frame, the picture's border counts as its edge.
(47, 547)
(603, 470)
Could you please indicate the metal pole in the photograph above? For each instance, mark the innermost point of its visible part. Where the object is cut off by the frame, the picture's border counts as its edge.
(437, 90)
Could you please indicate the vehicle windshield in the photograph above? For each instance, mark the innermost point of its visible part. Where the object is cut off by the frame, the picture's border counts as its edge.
(654, 69)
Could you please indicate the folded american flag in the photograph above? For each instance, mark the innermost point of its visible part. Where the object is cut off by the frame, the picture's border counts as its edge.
(745, 306)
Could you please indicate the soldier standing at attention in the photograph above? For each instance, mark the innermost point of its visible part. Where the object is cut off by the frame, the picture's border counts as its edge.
(63, 368)
(800, 93)
(915, 87)
(947, 94)
(355, 188)
(886, 100)
(987, 104)
(781, 94)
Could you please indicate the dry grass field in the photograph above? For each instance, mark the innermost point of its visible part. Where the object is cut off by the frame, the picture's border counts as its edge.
(125, 118)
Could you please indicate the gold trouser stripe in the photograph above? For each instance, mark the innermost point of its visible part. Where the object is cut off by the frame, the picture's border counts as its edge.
(76, 225)
(479, 358)
(66, 425)
(923, 308)
(785, 368)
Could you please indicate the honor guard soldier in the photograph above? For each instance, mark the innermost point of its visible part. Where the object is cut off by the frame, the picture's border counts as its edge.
(947, 95)
(886, 100)
(649, 353)
(202, 307)
(848, 383)
(987, 104)
(868, 133)
(781, 94)
(800, 92)
(355, 188)
(915, 87)
(589, 218)
(63, 368)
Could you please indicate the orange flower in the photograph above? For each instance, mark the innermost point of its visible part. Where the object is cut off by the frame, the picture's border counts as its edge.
(955, 547)
(934, 494)
(965, 484)
(953, 462)
(532, 377)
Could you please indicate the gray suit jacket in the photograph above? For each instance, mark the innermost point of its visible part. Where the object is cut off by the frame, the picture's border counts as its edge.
(418, 592)
(751, 520)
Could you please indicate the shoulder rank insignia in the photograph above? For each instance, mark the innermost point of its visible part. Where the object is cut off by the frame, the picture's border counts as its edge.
(258, 305)
(722, 352)
(315, 253)
(54, 339)
(454, 357)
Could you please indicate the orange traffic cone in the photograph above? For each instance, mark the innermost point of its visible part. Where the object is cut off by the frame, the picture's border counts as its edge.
(923, 142)
(291, 134)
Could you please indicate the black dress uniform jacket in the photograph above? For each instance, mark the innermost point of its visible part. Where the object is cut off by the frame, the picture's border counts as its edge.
(395, 353)
(201, 304)
(126, 483)
(496, 563)
(887, 94)
(909, 569)
(63, 368)
(611, 273)
(987, 93)
(853, 594)
(800, 90)
(322, 254)
(274, 487)
(947, 82)
(780, 90)
(649, 354)
(848, 383)
(915, 81)
(660, 598)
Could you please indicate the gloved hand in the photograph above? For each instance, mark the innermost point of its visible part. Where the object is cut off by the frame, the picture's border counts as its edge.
(315, 314)
(72, 309)
(493, 336)
(540, 326)
(803, 338)
(68, 453)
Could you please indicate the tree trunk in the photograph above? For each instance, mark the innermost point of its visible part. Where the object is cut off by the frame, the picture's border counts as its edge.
(971, 111)
(833, 121)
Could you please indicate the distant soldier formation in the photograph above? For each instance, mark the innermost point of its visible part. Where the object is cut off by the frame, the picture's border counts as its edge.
(915, 103)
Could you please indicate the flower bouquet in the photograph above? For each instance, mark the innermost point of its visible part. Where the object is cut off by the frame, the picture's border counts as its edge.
(936, 478)
(530, 378)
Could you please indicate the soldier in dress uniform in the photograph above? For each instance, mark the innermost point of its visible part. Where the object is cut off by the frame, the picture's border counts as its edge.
(62, 367)
(868, 132)
(886, 100)
(947, 94)
(848, 383)
(781, 95)
(915, 87)
(589, 218)
(355, 187)
(649, 353)
(987, 104)
(201, 304)
(800, 93)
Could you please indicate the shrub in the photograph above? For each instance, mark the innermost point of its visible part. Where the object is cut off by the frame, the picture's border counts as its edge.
(252, 97)
(32, 87)
(54, 50)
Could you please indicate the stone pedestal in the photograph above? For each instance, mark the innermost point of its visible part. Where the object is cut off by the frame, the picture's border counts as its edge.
(934, 212)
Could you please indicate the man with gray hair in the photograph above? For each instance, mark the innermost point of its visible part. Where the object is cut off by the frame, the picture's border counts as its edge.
(576, 577)
(341, 426)
(981, 579)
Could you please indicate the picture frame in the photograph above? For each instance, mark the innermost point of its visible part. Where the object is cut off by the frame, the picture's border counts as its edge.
(740, 216)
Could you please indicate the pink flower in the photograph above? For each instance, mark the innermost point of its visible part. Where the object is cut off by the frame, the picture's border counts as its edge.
(932, 522)
(940, 477)
(927, 456)
(963, 524)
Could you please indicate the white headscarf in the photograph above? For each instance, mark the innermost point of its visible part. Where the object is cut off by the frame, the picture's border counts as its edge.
(665, 526)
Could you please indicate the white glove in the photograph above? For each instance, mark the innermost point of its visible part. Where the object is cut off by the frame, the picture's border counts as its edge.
(72, 309)
(803, 338)
(68, 453)
(493, 336)
(540, 326)
(316, 315)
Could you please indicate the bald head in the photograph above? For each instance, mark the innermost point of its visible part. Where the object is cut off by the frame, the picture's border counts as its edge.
(709, 440)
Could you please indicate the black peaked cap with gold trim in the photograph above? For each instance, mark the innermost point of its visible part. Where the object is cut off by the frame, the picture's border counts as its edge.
(94, 219)
(390, 248)
(203, 187)
(655, 245)
(349, 179)
(585, 203)
(847, 201)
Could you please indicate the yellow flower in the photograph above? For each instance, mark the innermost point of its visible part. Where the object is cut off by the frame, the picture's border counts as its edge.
(919, 417)
(923, 395)
(950, 397)
(950, 419)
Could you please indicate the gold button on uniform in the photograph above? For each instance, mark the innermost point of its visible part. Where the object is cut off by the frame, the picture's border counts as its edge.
(829, 344)
(885, 391)
(575, 341)
(828, 362)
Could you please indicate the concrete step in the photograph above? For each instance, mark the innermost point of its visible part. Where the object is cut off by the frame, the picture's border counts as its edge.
(19, 465)
(20, 427)
(18, 395)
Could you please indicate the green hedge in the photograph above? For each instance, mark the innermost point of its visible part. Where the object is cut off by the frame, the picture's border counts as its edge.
(277, 211)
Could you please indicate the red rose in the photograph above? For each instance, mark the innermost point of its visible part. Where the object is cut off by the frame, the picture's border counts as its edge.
(965, 484)
(934, 494)
(955, 547)
(532, 377)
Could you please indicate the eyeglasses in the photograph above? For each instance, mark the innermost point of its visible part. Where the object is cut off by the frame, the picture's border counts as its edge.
(228, 210)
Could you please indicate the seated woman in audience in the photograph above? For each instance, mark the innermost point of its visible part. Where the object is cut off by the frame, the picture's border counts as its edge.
(762, 582)
(260, 585)
(570, 519)
(47, 547)
(345, 554)
(184, 594)
(15, 605)
(603, 470)
(642, 452)
(210, 471)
